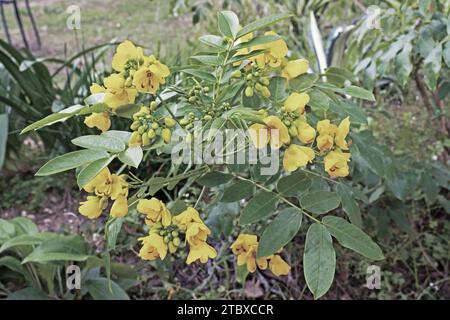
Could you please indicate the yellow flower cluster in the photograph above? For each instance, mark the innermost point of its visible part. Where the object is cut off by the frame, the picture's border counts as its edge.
(146, 127)
(136, 73)
(245, 248)
(165, 232)
(332, 136)
(105, 186)
(274, 56)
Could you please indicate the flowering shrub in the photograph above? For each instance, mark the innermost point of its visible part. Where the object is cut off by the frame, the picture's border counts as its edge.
(246, 85)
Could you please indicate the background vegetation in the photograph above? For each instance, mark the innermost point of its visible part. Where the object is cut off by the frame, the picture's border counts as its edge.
(404, 189)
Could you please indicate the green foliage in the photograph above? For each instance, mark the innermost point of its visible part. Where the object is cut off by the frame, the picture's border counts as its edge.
(36, 264)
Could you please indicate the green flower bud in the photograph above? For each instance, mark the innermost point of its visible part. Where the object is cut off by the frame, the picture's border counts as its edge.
(192, 99)
(145, 139)
(155, 125)
(175, 233)
(265, 81)
(166, 134)
(249, 91)
(151, 133)
(259, 87)
(184, 121)
(176, 241)
(166, 239)
(136, 124)
(169, 122)
(249, 77)
(154, 105)
(236, 74)
(141, 129)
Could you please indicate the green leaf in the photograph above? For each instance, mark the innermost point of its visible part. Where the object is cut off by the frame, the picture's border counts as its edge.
(208, 60)
(293, 184)
(64, 248)
(92, 170)
(3, 137)
(432, 66)
(319, 260)
(201, 74)
(53, 118)
(132, 156)
(247, 56)
(261, 205)
(99, 289)
(262, 23)
(70, 161)
(349, 204)
(113, 232)
(7, 230)
(320, 202)
(123, 136)
(127, 110)
(237, 191)
(228, 23)
(352, 237)
(213, 41)
(279, 232)
(257, 41)
(24, 226)
(215, 178)
(26, 240)
(29, 293)
(277, 87)
(96, 142)
(357, 92)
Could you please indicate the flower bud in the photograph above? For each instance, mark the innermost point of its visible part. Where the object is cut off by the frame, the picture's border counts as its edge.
(176, 241)
(236, 74)
(184, 121)
(151, 133)
(155, 125)
(145, 139)
(169, 122)
(166, 134)
(192, 99)
(154, 105)
(135, 125)
(249, 91)
(166, 239)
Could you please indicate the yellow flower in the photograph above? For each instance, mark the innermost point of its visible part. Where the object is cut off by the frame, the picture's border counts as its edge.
(277, 50)
(98, 181)
(202, 252)
(336, 163)
(117, 94)
(297, 156)
(99, 120)
(149, 77)
(295, 68)
(275, 132)
(153, 247)
(125, 52)
(119, 187)
(245, 248)
(92, 208)
(243, 51)
(305, 133)
(197, 233)
(187, 217)
(119, 208)
(155, 211)
(327, 131)
(341, 134)
(278, 266)
(296, 102)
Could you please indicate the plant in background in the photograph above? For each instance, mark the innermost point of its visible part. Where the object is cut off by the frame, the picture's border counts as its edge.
(33, 265)
(244, 82)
